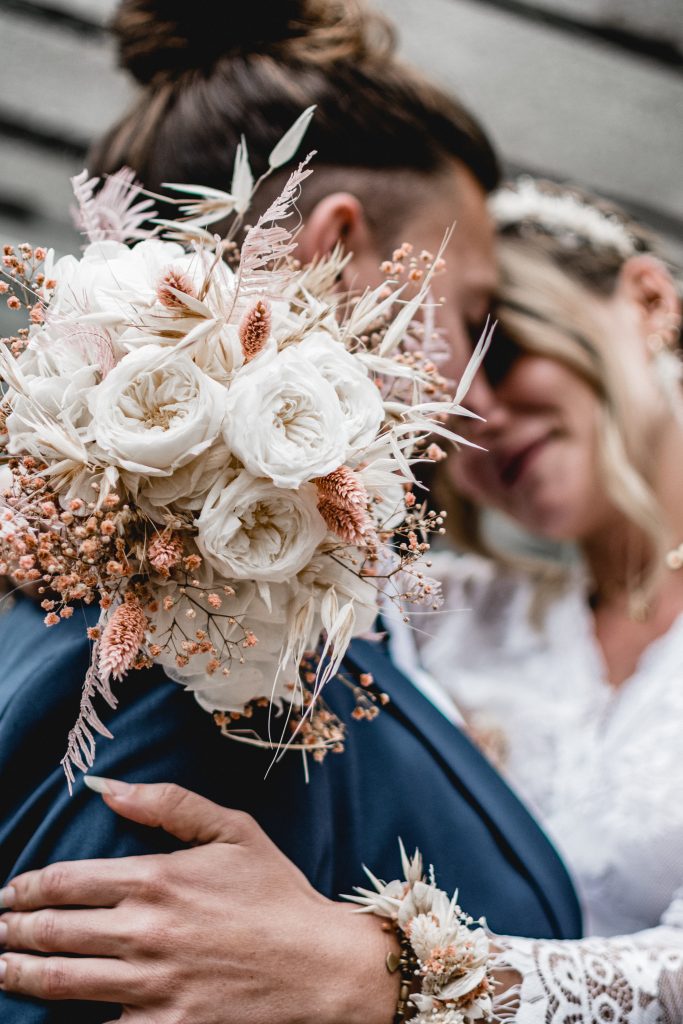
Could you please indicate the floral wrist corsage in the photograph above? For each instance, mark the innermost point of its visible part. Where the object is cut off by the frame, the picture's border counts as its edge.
(443, 949)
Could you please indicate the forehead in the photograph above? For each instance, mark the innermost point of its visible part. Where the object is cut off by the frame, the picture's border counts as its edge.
(459, 201)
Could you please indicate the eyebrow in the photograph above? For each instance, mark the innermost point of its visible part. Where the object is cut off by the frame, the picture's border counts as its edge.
(580, 339)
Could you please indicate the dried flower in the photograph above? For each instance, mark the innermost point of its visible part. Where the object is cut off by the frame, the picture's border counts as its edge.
(165, 552)
(349, 524)
(122, 638)
(175, 280)
(254, 330)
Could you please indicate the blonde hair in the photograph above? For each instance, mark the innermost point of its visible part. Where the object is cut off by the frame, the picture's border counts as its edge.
(543, 309)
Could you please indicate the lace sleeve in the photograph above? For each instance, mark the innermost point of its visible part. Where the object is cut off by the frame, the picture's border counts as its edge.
(634, 979)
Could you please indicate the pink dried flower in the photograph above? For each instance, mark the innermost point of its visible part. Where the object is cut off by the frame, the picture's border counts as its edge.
(175, 280)
(215, 601)
(342, 503)
(51, 619)
(343, 487)
(40, 253)
(435, 453)
(350, 524)
(122, 638)
(13, 302)
(165, 552)
(254, 330)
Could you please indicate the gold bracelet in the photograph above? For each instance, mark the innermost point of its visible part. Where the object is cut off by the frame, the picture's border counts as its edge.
(406, 962)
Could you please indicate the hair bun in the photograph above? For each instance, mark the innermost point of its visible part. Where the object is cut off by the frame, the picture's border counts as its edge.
(165, 37)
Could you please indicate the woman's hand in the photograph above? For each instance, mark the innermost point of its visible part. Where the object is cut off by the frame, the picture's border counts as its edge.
(228, 931)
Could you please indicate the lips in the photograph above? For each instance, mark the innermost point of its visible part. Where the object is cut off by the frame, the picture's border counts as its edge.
(512, 464)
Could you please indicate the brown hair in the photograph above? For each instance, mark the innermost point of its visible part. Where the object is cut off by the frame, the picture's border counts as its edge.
(206, 85)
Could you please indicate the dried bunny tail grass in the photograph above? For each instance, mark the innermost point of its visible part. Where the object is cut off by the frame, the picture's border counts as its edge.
(254, 330)
(122, 638)
(352, 525)
(175, 280)
(343, 505)
(343, 487)
(165, 552)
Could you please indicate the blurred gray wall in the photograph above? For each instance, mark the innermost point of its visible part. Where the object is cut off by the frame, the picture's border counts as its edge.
(582, 90)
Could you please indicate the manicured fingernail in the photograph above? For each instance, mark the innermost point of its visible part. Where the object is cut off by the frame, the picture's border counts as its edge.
(7, 897)
(112, 787)
(3, 970)
(3, 933)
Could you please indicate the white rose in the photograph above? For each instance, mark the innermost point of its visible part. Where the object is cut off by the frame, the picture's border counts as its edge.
(186, 488)
(156, 411)
(359, 398)
(284, 420)
(251, 529)
(112, 279)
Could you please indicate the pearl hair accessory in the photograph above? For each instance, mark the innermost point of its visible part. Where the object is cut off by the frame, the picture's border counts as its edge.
(563, 215)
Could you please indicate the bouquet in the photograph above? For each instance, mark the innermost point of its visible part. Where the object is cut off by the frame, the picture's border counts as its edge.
(216, 447)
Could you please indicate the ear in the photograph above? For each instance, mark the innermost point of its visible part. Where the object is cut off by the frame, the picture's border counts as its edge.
(340, 217)
(646, 283)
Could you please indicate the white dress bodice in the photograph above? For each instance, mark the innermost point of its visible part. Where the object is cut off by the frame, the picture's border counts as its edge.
(601, 768)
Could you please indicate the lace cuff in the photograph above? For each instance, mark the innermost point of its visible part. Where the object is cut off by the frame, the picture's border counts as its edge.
(637, 979)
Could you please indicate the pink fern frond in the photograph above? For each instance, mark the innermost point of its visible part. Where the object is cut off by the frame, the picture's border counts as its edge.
(110, 212)
(80, 749)
(269, 242)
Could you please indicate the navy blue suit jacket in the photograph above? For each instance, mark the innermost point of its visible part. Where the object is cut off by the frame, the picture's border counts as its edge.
(410, 773)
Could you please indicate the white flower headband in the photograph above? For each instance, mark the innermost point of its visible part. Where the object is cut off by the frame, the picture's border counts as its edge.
(564, 216)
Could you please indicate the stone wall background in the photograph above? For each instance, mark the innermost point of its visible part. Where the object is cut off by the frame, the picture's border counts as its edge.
(584, 90)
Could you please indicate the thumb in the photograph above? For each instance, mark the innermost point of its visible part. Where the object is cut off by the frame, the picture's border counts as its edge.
(178, 811)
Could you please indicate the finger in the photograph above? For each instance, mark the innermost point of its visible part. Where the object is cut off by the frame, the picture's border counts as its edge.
(93, 932)
(183, 814)
(55, 977)
(85, 883)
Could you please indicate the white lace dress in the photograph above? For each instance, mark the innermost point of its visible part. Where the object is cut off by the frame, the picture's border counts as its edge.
(602, 770)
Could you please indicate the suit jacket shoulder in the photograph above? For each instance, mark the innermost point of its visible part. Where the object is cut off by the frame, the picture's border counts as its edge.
(409, 773)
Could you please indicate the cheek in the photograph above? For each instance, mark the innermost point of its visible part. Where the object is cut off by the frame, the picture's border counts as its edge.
(471, 474)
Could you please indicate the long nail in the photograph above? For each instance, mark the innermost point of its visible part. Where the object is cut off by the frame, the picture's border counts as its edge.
(3, 933)
(3, 970)
(110, 787)
(7, 897)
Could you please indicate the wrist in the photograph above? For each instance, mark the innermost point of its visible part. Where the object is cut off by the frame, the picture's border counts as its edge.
(362, 990)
